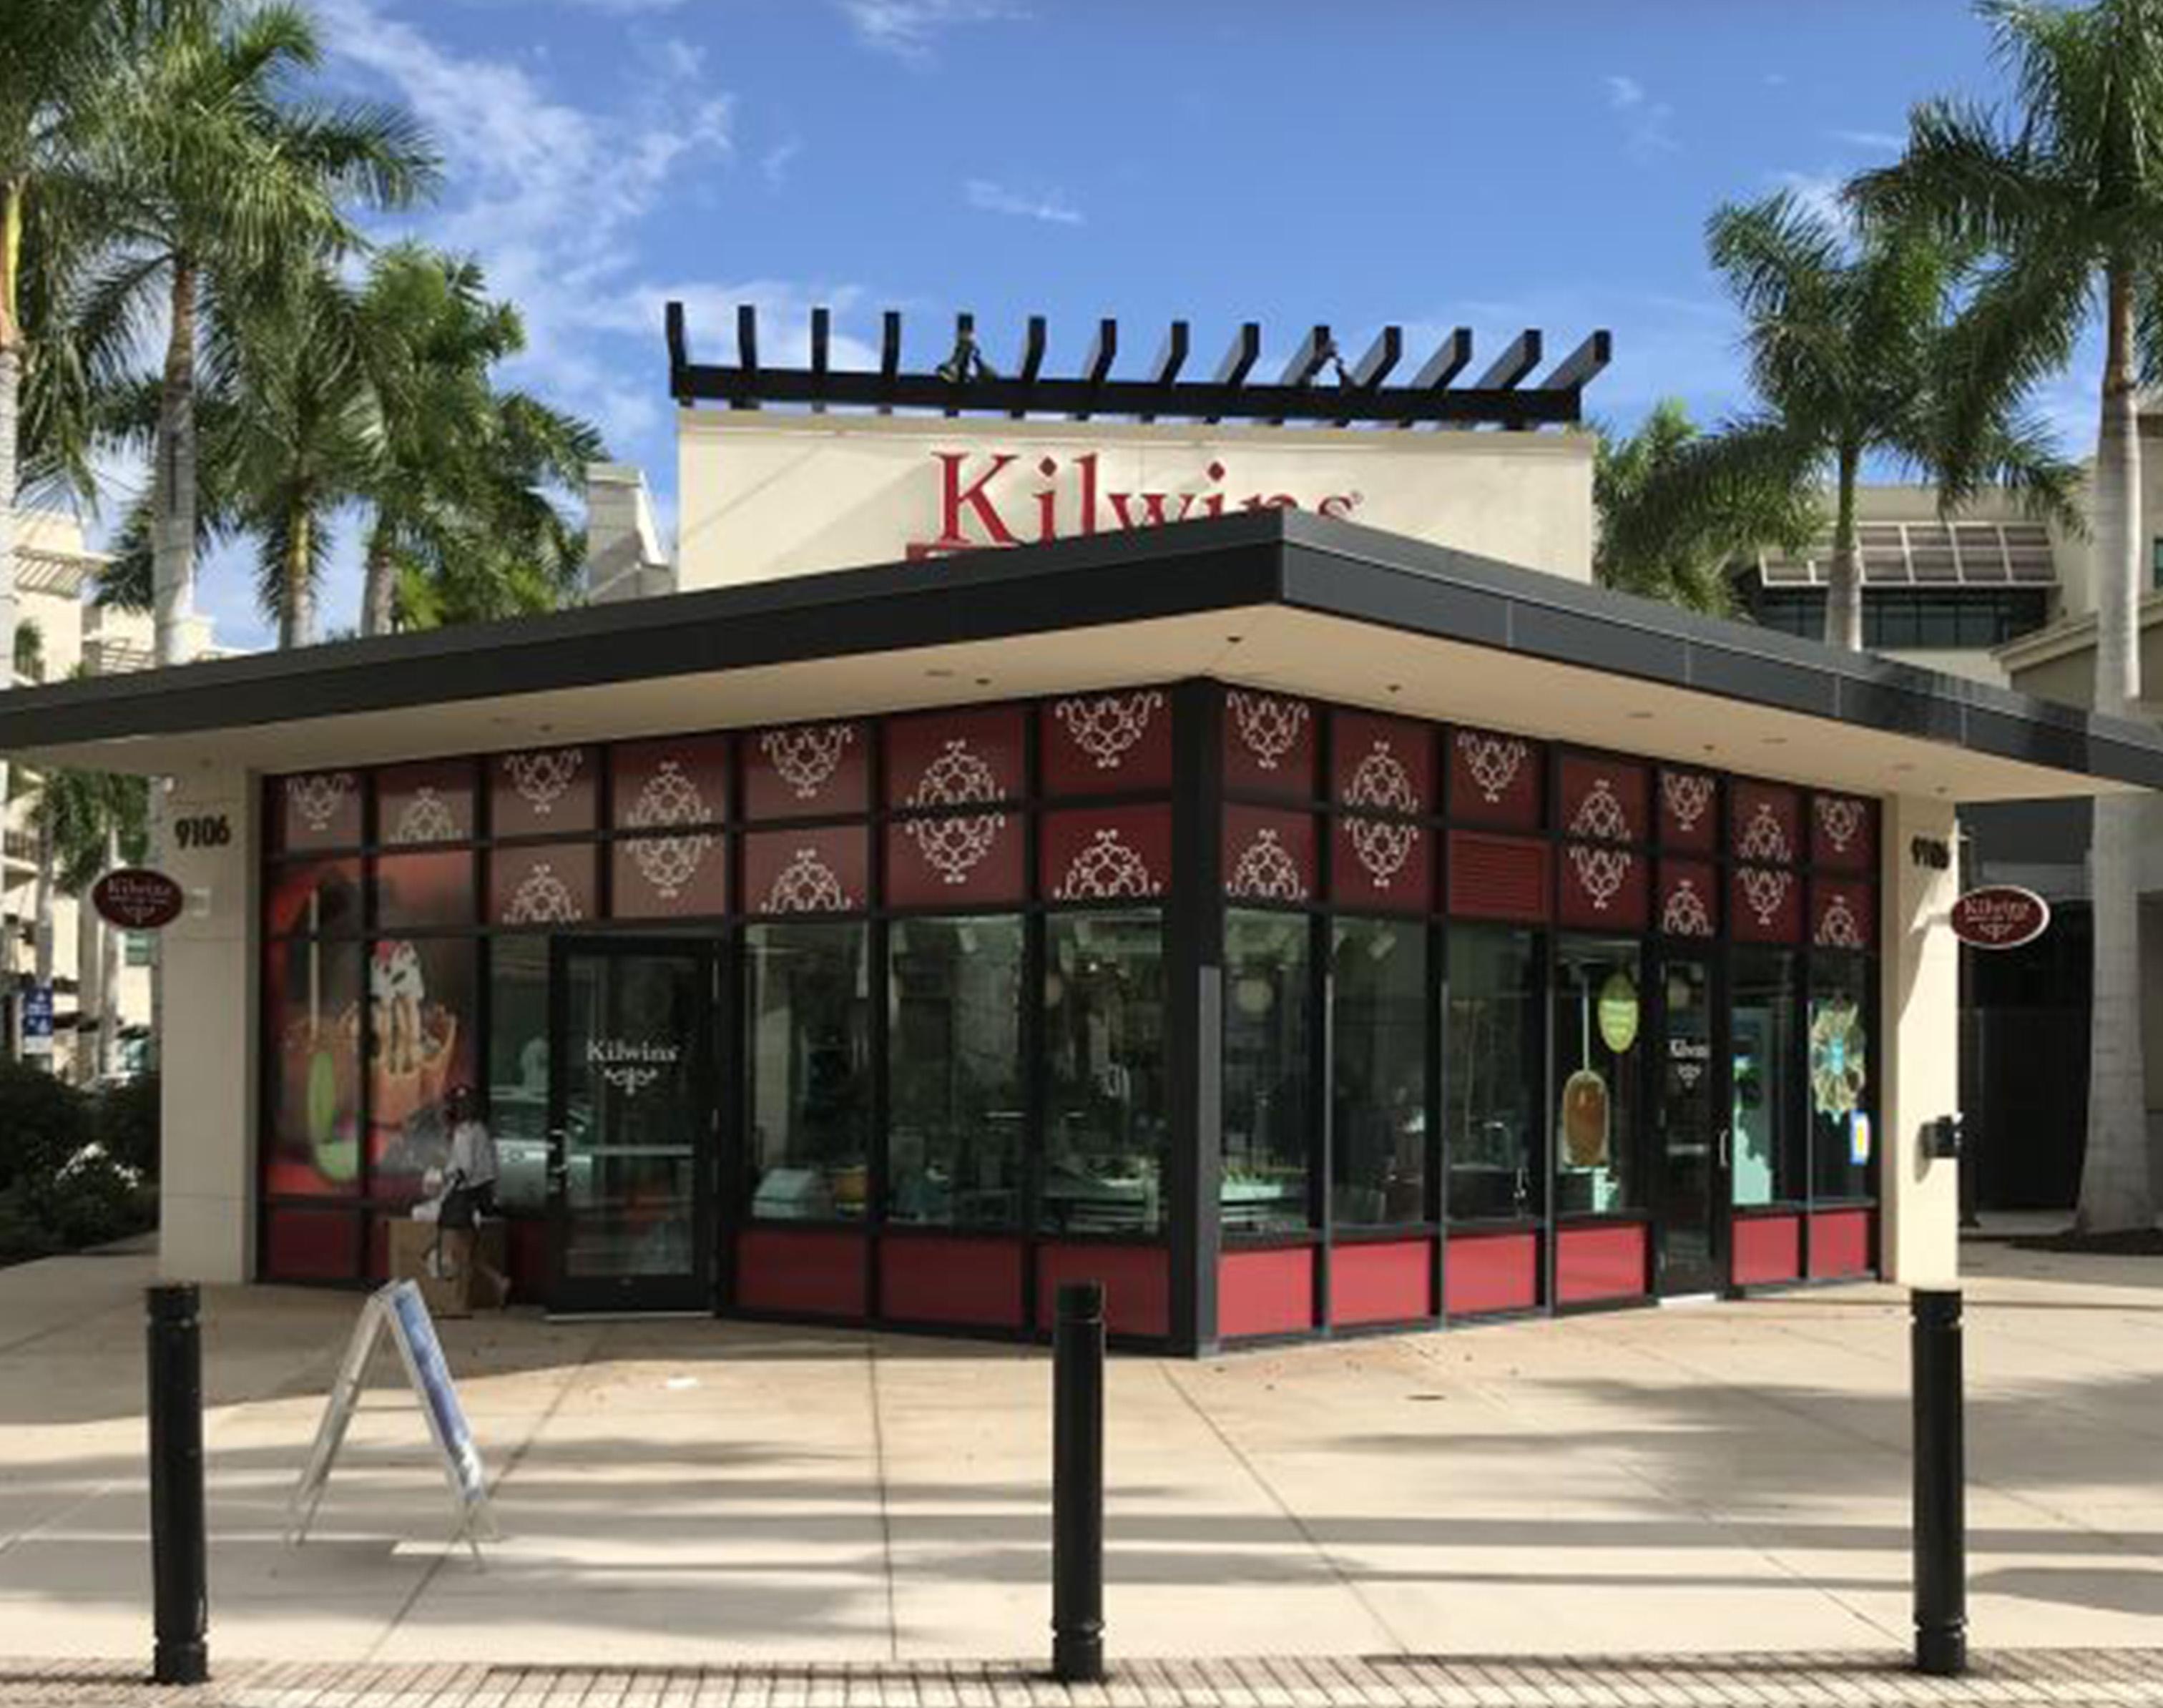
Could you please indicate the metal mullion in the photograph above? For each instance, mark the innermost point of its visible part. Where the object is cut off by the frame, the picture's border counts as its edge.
(1322, 1165)
(878, 985)
(1437, 995)
(1033, 1030)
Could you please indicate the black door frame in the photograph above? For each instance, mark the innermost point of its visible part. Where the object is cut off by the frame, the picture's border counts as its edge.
(631, 1294)
(1719, 1114)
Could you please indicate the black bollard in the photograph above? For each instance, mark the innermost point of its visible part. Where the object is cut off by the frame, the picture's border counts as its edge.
(1940, 1486)
(1077, 1484)
(179, 1566)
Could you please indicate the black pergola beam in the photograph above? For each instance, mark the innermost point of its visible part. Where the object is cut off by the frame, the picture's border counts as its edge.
(1498, 397)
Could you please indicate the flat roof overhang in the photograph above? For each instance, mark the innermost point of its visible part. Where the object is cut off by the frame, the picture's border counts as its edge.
(1275, 599)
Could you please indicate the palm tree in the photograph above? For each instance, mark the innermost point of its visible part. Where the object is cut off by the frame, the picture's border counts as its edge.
(2065, 194)
(89, 822)
(228, 182)
(1683, 558)
(1856, 356)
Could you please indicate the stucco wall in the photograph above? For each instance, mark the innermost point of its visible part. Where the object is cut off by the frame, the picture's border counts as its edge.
(1920, 1019)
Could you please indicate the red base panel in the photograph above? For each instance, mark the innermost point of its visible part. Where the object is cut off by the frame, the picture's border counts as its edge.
(1137, 1285)
(1600, 1263)
(976, 1282)
(1266, 1293)
(1381, 1283)
(1767, 1248)
(1484, 1272)
(311, 1245)
(1840, 1242)
(801, 1274)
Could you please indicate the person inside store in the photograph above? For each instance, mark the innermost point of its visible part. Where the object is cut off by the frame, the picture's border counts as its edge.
(470, 1192)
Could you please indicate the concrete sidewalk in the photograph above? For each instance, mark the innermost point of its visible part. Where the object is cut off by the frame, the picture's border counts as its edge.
(1709, 1479)
(2068, 1679)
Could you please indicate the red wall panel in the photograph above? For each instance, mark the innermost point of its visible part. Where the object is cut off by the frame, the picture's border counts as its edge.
(1484, 1272)
(801, 1273)
(1767, 1248)
(1843, 832)
(1840, 1242)
(1107, 743)
(1600, 1263)
(1497, 877)
(1268, 856)
(805, 770)
(1496, 779)
(1269, 745)
(1385, 1283)
(1266, 1293)
(1137, 1285)
(961, 757)
(311, 1245)
(1688, 810)
(932, 1280)
(1382, 863)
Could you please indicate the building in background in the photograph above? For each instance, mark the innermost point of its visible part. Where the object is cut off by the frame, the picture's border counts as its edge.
(55, 571)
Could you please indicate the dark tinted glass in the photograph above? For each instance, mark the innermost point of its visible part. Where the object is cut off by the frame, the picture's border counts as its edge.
(808, 1059)
(1765, 1125)
(1842, 1093)
(1493, 1075)
(1105, 1111)
(1599, 1020)
(1379, 1072)
(954, 1080)
(1268, 1054)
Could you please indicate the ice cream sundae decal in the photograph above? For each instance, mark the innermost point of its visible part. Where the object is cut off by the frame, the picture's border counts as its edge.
(414, 1038)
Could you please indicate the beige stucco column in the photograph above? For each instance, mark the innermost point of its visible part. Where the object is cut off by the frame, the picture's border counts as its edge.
(207, 1055)
(1920, 1021)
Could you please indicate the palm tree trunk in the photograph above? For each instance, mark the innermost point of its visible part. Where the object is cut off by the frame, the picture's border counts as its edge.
(173, 519)
(378, 590)
(89, 1003)
(1844, 596)
(109, 974)
(41, 907)
(2117, 1191)
(296, 612)
(11, 382)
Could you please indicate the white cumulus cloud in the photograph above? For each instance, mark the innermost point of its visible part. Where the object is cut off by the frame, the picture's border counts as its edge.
(1048, 206)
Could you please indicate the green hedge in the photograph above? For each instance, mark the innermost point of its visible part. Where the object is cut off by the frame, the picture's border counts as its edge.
(75, 1170)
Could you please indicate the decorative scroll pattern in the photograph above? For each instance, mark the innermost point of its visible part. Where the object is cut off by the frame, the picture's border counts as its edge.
(1492, 763)
(669, 798)
(425, 819)
(1266, 870)
(806, 756)
(542, 898)
(955, 846)
(806, 885)
(1109, 726)
(1686, 913)
(544, 776)
(1601, 816)
(1105, 868)
(1764, 838)
(1268, 727)
(1383, 847)
(317, 796)
(1601, 872)
(1381, 784)
(1838, 928)
(1840, 818)
(1688, 797)
(1764, 890)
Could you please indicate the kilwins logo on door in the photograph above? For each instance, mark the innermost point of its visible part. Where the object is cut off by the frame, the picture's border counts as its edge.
(998, 498)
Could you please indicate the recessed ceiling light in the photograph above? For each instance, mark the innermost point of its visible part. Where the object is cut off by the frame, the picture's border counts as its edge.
(1397, 688)
(983, 682)
(938, 673)
(1638, 717)
(1233, 640)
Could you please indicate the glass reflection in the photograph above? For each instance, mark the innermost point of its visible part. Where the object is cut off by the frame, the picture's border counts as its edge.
(1268, 1045)
(954, 1082)
(1105, 1126)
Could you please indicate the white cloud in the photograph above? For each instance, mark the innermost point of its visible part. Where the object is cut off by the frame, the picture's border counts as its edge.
(774, 164)
(1648, 125)
(1818, 193)
(1884, 141)
(909, 28)
(1050, 207)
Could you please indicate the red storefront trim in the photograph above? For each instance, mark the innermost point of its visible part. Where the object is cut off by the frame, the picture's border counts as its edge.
(934, 1279)
(1840, 1242)
(802, 1274)
(1484, 1272)
(1767, 1248)
(1389, 1282)
(1266, 1293)
(1607, 1262)
(1137, 1285)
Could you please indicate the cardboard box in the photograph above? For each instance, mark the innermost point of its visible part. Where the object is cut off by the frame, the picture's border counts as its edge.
(448, 1295)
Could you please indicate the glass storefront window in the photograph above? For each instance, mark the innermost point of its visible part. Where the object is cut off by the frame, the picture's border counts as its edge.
(1598, 1019)
(312, 994)
(1268, 1053)
(423, 1014)
(955, 1106)
(1104, 1140)
(1378, 1091)
(1494, 1074)
(808, 1070)
(518, 1071)
(1766, 1133)
(1843, 1146)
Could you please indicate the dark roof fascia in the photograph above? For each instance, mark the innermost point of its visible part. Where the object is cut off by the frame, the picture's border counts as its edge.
(1067, 584)
(1342, 569)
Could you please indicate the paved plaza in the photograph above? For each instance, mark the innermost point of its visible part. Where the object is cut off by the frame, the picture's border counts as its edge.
(1706, 1480)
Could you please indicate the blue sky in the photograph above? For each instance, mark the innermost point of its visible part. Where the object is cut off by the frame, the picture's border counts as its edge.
(1543, 163)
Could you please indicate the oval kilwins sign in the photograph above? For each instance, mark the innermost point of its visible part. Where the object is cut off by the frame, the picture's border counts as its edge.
(137, 899)
(2001, 916)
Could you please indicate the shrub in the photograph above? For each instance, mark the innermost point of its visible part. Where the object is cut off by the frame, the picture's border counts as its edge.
(43, 1123)
(124, 1121)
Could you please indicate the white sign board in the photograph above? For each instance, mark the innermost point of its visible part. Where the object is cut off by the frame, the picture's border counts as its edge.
(764, 494)
(400, 1308)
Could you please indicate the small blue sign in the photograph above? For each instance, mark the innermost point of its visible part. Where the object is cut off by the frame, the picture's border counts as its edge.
(38, 1020)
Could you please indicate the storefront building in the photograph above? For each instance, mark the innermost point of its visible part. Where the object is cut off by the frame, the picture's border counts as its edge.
(1303, 928)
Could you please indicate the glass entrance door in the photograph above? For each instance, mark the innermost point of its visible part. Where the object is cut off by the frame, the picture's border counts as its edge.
(632, 1118)
(1688, 1177)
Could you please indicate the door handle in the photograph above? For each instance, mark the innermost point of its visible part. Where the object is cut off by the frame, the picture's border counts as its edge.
(1724, 1132)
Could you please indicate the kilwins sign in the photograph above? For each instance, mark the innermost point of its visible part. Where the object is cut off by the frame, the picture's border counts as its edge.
(765, 495)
